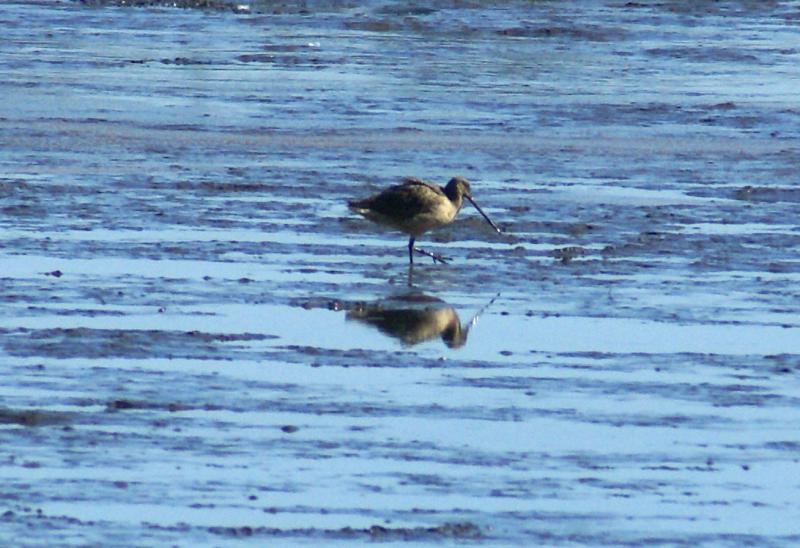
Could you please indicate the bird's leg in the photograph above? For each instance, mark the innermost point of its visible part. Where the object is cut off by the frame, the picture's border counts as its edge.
(412, 249)
(434, 256)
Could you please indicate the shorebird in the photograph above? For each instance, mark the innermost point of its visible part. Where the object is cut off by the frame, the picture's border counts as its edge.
(416, 206)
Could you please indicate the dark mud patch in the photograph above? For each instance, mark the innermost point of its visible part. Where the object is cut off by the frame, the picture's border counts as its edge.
(34, 417)
(704, 54)
(717, 395)
(127, 343)
(286, 60)
(568, 254)
(378, 533)
(357, 357)
(184, 61)
(380, 25)
(590, 33)
(78, 312)
(209, 5)
(768, 194)
(171, 407)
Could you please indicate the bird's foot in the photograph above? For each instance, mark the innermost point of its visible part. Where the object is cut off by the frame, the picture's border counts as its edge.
(435, 256)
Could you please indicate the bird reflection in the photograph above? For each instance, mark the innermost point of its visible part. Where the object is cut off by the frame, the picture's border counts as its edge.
(414, 318)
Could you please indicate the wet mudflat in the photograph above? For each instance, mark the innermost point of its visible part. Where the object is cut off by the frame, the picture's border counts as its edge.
(200, 345)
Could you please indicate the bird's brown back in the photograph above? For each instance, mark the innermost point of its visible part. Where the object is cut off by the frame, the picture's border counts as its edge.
(403, 201)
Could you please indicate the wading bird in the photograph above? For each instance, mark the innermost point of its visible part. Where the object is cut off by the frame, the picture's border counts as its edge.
(415, 206)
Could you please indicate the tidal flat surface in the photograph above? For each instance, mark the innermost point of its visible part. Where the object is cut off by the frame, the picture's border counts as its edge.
(201, 346)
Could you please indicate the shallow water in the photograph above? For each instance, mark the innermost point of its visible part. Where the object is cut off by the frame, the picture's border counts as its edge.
(200, 345)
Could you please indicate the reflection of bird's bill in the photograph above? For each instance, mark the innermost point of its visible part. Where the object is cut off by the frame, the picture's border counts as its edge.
(470, 324)
(485, 216)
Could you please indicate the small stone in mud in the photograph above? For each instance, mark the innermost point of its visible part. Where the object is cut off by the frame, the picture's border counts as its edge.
(121, 404)
(244, 531)
(745, 193)
(183, 61)
(289, 429)
(579, 229)
(566, 254)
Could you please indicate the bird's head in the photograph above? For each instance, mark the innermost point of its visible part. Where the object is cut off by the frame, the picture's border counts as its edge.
(458, 186)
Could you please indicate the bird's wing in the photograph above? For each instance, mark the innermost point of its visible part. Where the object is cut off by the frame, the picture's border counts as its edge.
(423, 190)
(407, 199)
(416, 181)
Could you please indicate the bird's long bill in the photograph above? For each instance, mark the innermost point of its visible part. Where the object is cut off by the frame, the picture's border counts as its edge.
(485, 216)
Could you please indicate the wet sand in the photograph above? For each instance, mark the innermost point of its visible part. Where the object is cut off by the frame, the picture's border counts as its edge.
(200, 344)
